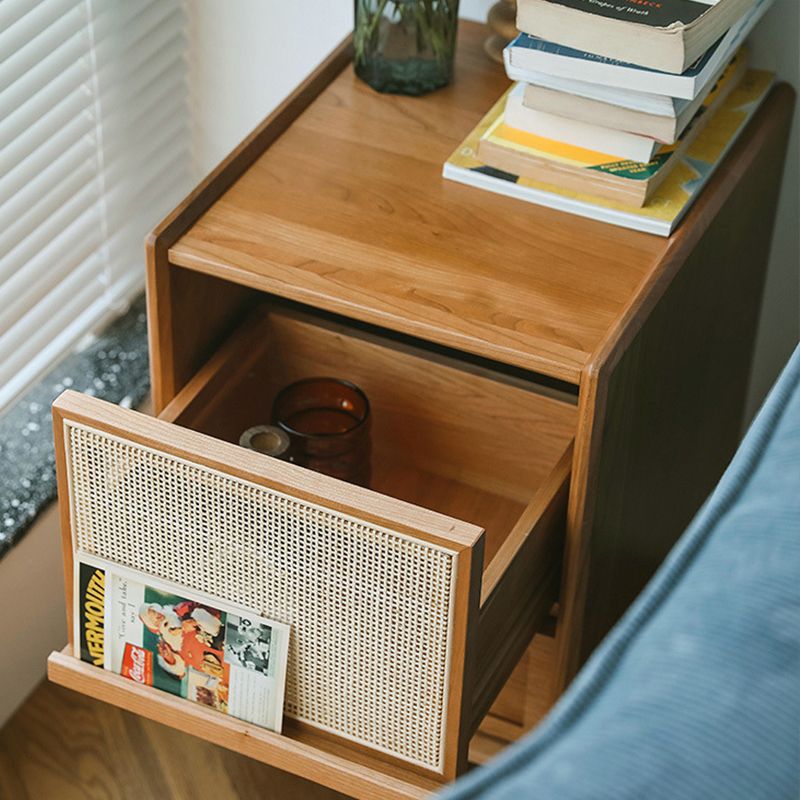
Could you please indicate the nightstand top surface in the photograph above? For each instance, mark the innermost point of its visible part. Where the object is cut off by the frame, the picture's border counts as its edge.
(348, 211)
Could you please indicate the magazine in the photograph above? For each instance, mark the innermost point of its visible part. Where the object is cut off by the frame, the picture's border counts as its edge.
(180, 641)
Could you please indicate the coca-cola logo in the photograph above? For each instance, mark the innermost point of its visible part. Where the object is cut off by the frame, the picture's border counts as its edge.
(137, 664)
(138, 669)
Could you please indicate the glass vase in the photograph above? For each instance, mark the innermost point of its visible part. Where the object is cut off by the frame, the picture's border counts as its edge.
(405, 46)
(328, 423)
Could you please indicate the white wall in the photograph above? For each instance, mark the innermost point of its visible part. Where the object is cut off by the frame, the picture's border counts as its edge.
(775, 45)
(247, 55)
(35, 619)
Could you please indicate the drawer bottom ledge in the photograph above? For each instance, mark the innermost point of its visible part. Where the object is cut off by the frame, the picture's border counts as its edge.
(301, 752)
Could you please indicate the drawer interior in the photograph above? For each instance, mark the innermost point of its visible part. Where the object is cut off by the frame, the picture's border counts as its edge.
(448, 436)
(487, 450)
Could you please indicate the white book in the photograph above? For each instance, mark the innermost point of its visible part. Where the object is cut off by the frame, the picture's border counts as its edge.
(646, 102)
(666, 128)
(622, 145)
(530, 59)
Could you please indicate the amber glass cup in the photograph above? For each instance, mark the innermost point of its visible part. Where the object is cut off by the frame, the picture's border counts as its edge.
(328, 422)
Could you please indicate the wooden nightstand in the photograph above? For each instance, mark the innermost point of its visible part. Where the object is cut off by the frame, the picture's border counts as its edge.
(553, 399)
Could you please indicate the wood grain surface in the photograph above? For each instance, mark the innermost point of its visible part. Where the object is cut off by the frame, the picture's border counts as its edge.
(299, 749)
(440, 415)
(180, 342)
(62, 745)
(523, 702)
(337, 201)
(662, 403)
(347, 211)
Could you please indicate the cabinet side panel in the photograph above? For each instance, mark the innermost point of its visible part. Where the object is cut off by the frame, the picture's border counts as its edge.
(666, 406)
(203, 312)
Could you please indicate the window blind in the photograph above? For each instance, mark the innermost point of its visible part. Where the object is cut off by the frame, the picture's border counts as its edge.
(94, 150)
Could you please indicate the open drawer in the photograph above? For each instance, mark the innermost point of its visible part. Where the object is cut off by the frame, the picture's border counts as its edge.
(410, 602)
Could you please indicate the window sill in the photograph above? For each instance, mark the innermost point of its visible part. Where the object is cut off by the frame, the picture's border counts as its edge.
(114, 367)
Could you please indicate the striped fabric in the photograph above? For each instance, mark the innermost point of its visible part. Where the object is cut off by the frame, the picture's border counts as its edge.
(696, 692)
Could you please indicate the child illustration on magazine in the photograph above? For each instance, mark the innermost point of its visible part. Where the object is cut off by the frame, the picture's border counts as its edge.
(187, 639)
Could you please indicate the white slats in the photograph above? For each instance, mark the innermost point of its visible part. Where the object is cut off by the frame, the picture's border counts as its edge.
(43, 128)
(12, 10)
(94, 149)
(77, 227)
(61, 72)
(16, 60)
(18, 194)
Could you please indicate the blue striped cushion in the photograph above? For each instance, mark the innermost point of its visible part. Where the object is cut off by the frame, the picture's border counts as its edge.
(696, 692)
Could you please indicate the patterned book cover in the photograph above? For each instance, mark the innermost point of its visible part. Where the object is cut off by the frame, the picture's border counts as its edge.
(671, 200)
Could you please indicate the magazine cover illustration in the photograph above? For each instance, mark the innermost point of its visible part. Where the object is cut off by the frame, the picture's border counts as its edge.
(180, 642)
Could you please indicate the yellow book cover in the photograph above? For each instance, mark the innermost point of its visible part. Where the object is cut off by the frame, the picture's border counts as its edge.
(670, 201)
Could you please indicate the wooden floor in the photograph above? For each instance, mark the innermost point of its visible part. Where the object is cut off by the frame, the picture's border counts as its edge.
(63, 746)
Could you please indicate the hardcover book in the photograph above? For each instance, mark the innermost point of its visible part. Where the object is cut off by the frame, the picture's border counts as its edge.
(667, 35)
(669, 203)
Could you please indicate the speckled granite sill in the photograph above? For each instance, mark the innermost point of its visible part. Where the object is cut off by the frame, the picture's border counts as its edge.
(114, 367)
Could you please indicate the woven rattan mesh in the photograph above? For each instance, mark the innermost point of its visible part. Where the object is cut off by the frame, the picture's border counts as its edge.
(370, 609)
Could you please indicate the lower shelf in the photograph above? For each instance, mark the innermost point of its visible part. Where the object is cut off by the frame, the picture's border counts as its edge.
(522, 703)
(308, 753)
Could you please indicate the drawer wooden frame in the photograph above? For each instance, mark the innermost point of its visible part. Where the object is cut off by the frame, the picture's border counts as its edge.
(464, 539)
(498, 608)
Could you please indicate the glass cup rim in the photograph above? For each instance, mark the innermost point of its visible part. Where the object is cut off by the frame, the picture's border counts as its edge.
(342, 382)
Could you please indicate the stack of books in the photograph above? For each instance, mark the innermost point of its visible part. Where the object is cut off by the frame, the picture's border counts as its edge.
(621, 109)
